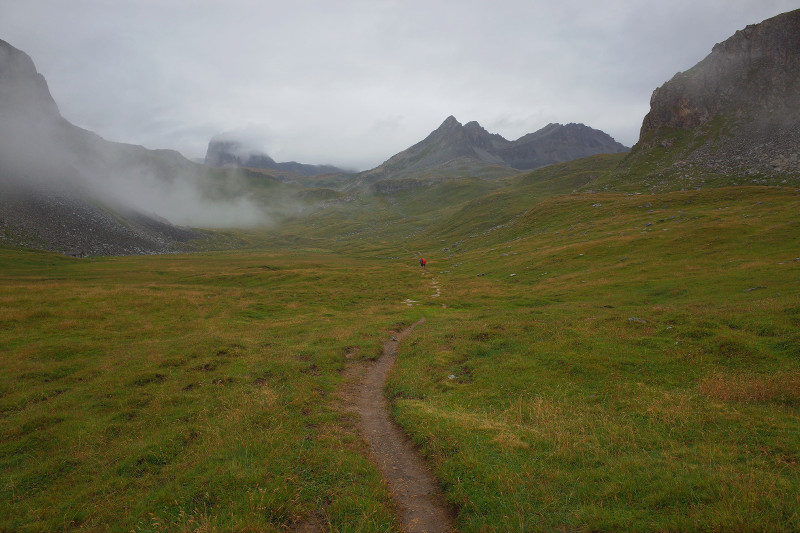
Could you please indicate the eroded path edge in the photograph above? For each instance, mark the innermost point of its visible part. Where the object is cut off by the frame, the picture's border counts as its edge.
(414, 489)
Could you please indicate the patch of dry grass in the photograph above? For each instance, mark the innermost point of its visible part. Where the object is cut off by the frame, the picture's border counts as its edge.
(782, 388)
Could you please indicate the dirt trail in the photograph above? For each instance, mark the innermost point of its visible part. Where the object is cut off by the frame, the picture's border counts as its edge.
(415, 491)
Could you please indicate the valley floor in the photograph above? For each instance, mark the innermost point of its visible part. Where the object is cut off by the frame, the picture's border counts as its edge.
(596, 362)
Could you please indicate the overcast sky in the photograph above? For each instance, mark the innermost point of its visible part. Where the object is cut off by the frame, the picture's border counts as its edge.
(352, 82)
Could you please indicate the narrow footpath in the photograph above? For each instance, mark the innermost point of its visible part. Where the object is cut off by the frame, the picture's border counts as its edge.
(415, 491)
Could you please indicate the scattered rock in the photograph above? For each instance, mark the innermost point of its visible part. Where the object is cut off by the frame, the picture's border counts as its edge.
(637, 320)
(755, 288)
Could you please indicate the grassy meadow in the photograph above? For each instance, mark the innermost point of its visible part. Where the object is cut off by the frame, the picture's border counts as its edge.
(590, 362)
(183, 393)
(616, 362)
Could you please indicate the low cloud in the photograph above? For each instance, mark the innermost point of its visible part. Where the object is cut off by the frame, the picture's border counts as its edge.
(41, 151)
(183, 199)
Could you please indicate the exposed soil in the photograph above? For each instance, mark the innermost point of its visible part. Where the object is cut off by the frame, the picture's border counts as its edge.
(415, 491)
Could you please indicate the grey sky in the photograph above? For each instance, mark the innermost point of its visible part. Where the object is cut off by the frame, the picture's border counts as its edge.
(352, 82)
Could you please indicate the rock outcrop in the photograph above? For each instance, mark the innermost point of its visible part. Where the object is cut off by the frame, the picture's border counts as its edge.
(737, 112)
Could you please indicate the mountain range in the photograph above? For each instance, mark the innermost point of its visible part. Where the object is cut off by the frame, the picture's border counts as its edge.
(471, 150)
(736, 114)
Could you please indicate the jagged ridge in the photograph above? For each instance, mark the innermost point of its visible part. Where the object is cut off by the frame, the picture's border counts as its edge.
(473, 146)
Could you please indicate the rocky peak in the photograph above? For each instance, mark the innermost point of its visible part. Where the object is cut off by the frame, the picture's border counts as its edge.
(468, 135)
(450, 123)
(754, 74)
(22, 89)
(226, 151)
(740, 106)
(448, 130)
(453, 146)
(475, 131)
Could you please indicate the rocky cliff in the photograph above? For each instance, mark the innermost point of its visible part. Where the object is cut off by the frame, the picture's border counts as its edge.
(737, 112)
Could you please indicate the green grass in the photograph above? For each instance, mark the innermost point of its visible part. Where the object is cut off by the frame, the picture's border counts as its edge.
(595, 361)
(639, 371)
(188, 392)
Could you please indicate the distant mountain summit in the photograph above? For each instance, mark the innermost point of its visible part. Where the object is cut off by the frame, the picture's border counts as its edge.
(470, 147)
(737, 112)
(223, 150)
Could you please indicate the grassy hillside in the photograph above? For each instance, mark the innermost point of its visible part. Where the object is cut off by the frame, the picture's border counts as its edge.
(616, 362)
(592, 360)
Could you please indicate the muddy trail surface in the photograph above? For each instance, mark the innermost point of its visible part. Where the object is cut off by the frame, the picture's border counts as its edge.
(415, 491)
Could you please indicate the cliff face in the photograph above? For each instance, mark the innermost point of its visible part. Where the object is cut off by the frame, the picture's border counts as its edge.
(753, 75)
(741, 103)
(22, 88)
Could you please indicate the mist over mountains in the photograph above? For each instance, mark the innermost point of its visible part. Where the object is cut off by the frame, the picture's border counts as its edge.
(734, 114)
(68, 189)
(226, 150)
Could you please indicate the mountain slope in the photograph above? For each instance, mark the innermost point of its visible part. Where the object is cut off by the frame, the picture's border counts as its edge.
(67, 189)
(734, 115)
(476, 152)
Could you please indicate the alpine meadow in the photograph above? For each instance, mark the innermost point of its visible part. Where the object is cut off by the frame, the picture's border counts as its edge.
(611, 336)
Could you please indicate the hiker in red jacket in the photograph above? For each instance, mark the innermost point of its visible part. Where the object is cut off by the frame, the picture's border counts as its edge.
(422, 262)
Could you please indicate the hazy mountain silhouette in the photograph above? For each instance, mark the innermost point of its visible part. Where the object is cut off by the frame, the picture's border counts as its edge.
(67, 189)
(470, 146)
(224, 150)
